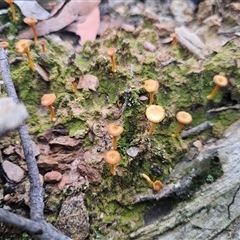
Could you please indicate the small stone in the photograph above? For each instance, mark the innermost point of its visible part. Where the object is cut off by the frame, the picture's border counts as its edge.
(65, 141)
(13, 172)
(133, 151)
(128, 27)
(9, 150)
(52, 177)
(149, 46)
(93, 176)
(88, 81)
(198, 145)
(65, 180)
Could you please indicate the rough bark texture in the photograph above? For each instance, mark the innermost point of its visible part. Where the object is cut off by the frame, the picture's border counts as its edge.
(214, 207)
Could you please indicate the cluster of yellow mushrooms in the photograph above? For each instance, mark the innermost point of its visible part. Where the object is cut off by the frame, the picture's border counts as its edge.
(154, 113)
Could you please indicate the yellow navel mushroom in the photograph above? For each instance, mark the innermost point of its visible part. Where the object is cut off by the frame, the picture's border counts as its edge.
(115, 131)
(110, 52)
(174, 39)
(220, 81)
(151, 86)
(157, 185)
(112, 157)
(10, 2)
(47, 100)
(4, 44)
(183, 118)
(30, 21)
(22, 46)
(155, 114)
(74, 85)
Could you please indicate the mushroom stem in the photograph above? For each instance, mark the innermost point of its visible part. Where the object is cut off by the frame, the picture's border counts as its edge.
(213, 93)
(74, 87)
(13, 12)
(114, 143)
(151, 128)
(52, 114)
(35, 37)
(43, 48)
(30, 60)
(112, 169)
(151, 96)
(178, 130)
(113, 64)
(147, 178)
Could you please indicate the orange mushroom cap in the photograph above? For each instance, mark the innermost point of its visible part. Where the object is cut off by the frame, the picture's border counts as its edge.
(114, 130)
(48, 99)
(23, 45)
(184, 117)
(30, 21)
(4, 44)
(112, 157)
(110, 51)
(220, 80)
(155, 113)
(151, 85)
(157, 185)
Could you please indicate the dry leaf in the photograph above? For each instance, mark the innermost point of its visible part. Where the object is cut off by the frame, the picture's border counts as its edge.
(235, 6)
(32, 9)
(88, 29)
(88, 81)
(70, 12)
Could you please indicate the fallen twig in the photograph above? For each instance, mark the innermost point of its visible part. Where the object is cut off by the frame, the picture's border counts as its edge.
(237, 106)
(196, 130)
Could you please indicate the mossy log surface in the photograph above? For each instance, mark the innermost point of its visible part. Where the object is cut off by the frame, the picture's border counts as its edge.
(184, 86)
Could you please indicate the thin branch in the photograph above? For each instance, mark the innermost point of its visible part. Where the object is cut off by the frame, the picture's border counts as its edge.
(196, 130)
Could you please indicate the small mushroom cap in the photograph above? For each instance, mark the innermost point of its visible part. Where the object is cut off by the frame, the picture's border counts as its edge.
(30, 21)
(23, 45)
(184, 117)
(151, 85)
(71, 79)
(48, 99)
(220, 80)
(173, 35)
(112, 157)
(114, 130)
(157, 185)
(110, 51)
(155, 113)
(4, 44)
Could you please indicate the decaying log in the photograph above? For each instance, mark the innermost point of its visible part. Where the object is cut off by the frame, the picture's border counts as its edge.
(206, 214)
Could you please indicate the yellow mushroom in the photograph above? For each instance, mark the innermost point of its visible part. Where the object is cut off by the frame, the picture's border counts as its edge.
(174, 39)
(112, 157)
(110, 52)
(151, 86)
(220, 81)
(155, 114)
(22, 46)
(30, 21)
(157, 185)
(4, 45)
(183, 118)
(72, 81)
(10, 2)
(114, 131)
(47, 100)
